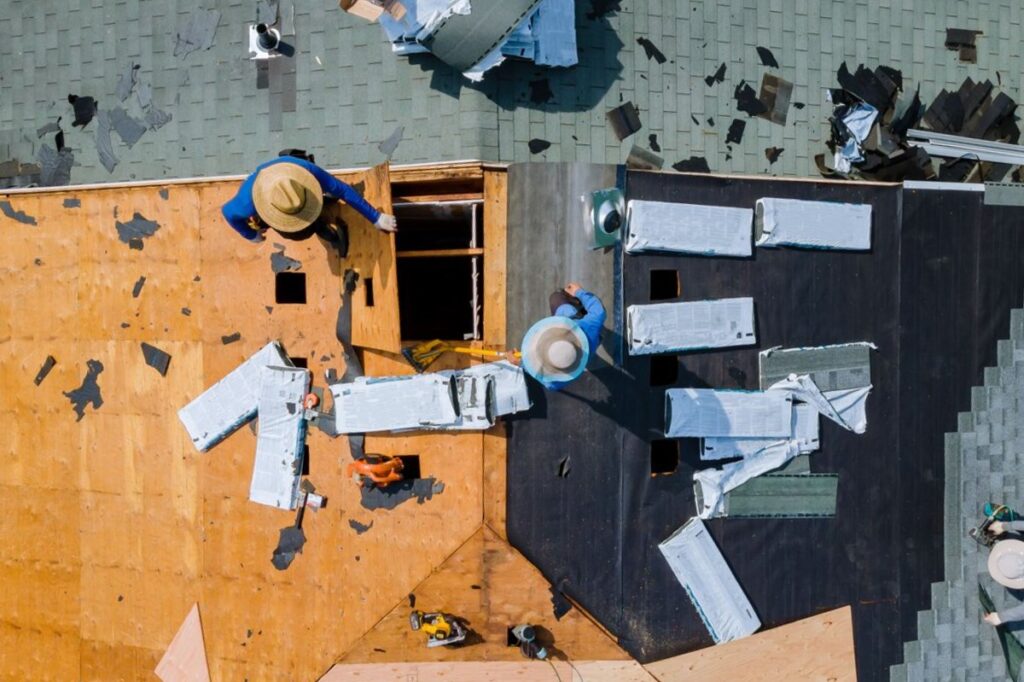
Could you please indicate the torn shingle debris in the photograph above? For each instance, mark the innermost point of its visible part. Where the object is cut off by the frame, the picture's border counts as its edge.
(420, 489)
(186, 312)
(165, 194)
(85, 109)
(104, 146)
(652, 140)
(799, 105)
(47, 129)
(196, 32)
(641, 159)
(651, 50)
(55, 165)
(156, 358)
(694, 164)
(767, 58)
(388, 146)
(137, 289)
(560, 605)
(72, 202)
(602, 8)
(280, 262)
(48, 365)
(134, 231)
(694, 119)
(538, 145)
(359, 528)
(773, 154)
(963, 40)
(775, 96)
(747, 101)
(565, 466)
(717, 77)
(231, 338)
(156, 118)
(126, 81)
(20, 216)
(126, 127)
(735, 134)
(540, 91)
(624, 120)
(88, 392)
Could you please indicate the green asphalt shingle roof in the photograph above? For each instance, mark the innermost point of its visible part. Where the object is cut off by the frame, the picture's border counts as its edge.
(352, 92)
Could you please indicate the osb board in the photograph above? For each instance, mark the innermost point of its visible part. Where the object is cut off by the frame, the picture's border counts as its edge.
(113, 525)
(372, 255)
(814, 649)
(491, 586)
(494, 671)
(495, 263)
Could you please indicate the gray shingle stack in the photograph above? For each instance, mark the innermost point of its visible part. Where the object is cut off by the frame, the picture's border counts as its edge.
(982, 464)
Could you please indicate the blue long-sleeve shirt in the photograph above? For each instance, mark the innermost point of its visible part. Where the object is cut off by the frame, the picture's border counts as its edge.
(591, 324)
(238, 211)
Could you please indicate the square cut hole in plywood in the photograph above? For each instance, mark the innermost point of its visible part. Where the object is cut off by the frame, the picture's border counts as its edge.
(664, 285)
(302, 362)
(664, 370)
(664, 457)
(410, 466)
(290, 287)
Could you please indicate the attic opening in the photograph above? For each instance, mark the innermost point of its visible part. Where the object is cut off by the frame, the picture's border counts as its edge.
(440, 269)
(664, 370)
(664, 285)
(410, 466)
(664, 457)
(290, 287)
(299, 361)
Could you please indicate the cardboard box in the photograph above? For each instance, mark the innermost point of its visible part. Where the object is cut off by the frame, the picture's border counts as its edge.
(372, 9)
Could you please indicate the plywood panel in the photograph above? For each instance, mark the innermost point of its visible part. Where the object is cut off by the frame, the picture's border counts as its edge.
(819, 648)
(493, 671)
(495, 478)
(372, 255)
(493, 587)
(495, 221)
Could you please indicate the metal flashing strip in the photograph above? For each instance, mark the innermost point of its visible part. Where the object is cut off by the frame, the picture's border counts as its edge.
(688, 228)
(394, 403)
(958, 146)
(812, 224)
(230, 402)
(710, 584)
(690, 325)
(832, 368)
(705, 412)
(280, 438)
(944, 186)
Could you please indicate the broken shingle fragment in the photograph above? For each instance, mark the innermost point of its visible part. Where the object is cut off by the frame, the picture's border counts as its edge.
(641, 159)
(651, 50)
(359, 528)
(767, 58)
(85, 109)
(104, 146)
(156, 118)
(624, 120)
(137, 289)
(156, 358)
(773, 154)
(48, 128)
(186, 311)
(735, 134)
(602, 8)
(747, 101)
(388, 146)
(231, 338)
(196, 32)
(126, 81)
(711, 121)
(717, 77)
(279, 262)
(48, 365)
(538, 145)
(126, 127)
(72, 202)
(775, 96)
(55, 165)
(963, 40)
(652, 139)
(134, 231)
(694, 119)
(694, 164)
(88, 392)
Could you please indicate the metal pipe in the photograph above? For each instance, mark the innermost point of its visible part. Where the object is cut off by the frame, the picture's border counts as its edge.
(267, 40)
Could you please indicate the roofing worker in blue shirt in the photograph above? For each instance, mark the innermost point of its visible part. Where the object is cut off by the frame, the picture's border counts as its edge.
(287, 194)
(557, 348)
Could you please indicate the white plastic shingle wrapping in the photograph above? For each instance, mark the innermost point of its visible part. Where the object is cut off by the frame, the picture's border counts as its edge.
(688, 228)
(703, 412)
(371, 404)
(813, 224)
(804, 434)
(486, 391)
(701, 569)
(279, 441)
(230, 402)
(691, 325)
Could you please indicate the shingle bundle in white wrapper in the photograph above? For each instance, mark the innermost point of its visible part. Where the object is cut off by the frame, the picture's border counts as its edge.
(487, 391)
(804, 435)
(702, 571)
(415, 401)
(230, 402)
(279, 440)
(812, 224)
(705, 412)
(660, 226)
(690, 325)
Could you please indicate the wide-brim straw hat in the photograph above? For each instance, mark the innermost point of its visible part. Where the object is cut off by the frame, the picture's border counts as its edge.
(1006, 563)
(555, 349)
(288, 197)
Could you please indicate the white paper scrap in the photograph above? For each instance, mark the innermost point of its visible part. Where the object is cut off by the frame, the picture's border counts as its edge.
(701, 569)
(690, 325)
(812, 224)
(704, 412)
(688, 228)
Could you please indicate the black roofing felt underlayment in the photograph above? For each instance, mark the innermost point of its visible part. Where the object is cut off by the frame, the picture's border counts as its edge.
(932, 294)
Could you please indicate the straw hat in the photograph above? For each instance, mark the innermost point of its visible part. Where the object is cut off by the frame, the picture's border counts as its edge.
(1006, 563)
(555, 349)
(287, 197)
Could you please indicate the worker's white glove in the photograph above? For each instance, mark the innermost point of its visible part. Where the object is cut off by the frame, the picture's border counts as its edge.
(992, 619)
(997, 528)
(386, 223)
